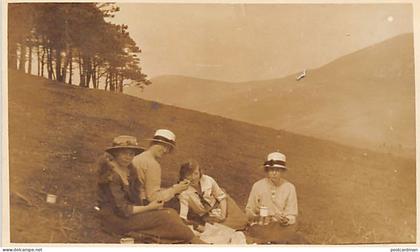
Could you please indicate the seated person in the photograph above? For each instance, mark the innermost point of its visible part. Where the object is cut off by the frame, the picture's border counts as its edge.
(277, 197)
(207, 200)
(149, 168)
(121, 208)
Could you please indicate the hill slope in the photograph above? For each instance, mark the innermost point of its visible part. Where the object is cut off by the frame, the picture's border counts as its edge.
(365, 99)
(188, 92)
(56, 132)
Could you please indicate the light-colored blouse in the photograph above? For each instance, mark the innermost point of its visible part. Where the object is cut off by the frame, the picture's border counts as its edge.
(278, 199)
(190, 198)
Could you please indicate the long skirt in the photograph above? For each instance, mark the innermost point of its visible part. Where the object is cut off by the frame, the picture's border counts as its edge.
(163, 224)
(276, 233)
(235, 218)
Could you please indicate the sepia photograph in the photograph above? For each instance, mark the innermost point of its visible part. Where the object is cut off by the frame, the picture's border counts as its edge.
(210, 123)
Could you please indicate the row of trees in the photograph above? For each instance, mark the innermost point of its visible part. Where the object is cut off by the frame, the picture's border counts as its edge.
(65, 39)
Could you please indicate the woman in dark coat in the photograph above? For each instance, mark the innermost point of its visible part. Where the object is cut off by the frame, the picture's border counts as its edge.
(121, 209)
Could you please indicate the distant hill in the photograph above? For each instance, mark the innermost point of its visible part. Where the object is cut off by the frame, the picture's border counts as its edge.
(56, 132)
(188, 92)
(365, 99)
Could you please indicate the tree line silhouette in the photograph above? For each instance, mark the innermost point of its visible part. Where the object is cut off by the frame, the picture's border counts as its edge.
(65, 39)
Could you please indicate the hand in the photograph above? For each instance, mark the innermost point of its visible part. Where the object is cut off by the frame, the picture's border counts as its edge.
(199, 228)
(284, 221)
(254, 218)
(220, 218)
(181, 186)
(212, 219)
(185, 182)
(156, 204)
(223, 216)
(217, 214)
(281, 218)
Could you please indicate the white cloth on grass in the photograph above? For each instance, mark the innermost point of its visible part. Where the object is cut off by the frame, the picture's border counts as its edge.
(220, 234)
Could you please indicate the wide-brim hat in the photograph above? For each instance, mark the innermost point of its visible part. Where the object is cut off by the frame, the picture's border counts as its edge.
(164, 136)
(276, 160)
(125, 142)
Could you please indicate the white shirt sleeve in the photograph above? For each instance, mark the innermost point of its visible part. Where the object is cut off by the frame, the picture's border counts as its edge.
(183, 206)
(252, 204)
(291, 208)
(218, 193)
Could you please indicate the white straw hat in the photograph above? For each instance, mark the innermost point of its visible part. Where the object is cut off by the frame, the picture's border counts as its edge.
(164, 136)
(276, 160)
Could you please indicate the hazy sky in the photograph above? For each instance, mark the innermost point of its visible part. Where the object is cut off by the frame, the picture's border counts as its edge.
(243, 42)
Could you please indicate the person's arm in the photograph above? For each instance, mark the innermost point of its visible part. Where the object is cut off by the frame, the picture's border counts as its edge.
(150, 175)
(151, 206)
(291, 210)
(223, 207)
(183, 206)
(218, 193)
(141, 209)
(152, 185)
(183, 212)
(220, 196)
(166, 194)
(252, 205)
(124, 208)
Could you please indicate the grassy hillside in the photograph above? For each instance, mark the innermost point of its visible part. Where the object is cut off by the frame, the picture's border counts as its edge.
(188, 92)
(365, 99)
(56, 132)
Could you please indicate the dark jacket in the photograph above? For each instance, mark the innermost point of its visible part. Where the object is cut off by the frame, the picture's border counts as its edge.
(113, 193)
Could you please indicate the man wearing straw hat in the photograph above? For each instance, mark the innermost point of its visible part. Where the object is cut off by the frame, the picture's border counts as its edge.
(149, 169)
(272, 205)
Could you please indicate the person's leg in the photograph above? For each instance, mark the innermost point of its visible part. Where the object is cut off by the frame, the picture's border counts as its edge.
(284, 234)
(111, 223)
(279, 234)
(164, 224)
(261, 233)
(296, 238)
(290, 235)
(183, 231)
(197, 240)
(196, 218)
(173, 203)
(235, 217)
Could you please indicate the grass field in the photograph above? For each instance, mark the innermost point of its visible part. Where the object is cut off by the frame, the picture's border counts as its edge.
(56, 132)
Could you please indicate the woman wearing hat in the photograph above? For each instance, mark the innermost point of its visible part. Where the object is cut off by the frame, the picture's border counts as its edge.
(276, 197)
(121, 209)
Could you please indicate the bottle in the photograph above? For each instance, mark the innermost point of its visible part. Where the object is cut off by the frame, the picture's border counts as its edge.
(263, 215)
